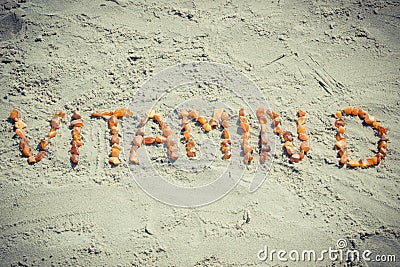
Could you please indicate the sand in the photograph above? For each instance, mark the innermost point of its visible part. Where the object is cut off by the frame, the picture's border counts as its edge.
(320, 56)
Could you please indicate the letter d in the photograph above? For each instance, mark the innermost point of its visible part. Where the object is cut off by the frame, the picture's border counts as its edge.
(260, 253)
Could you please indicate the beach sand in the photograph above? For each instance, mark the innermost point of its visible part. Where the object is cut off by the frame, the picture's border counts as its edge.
(320, 56)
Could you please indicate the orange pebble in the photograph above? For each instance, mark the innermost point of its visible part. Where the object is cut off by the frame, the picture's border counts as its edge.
(372, 161)
(184, 113)
(114, 130)
(114, 161)
(273, 114)
(186, 135)
(133, 157)
(55, 122)
(19, 125)
(213, 122)
(341, 143)
(339, 122)
(362, 113)
(343, 151)
(246, 136)
(115, 139)
(15, 114)
(138, 140)
(382, 144)
(52, 134)
(161, 125)
(76, 115)
(301, 113)
(187, 127)
(150, 114)
(20, 133)
(191, 154)
(77, 137)
(160, 139)
(79, 143)
(226, 134)
(339, 137)
(287, 136)
(348, 110)
(225, 148)
(353, 163)
(363, 163)
(31, 160)
(23, 143)
(158, 117)
(301, 129)
(107, 113)
(59, 114)
(148, 140)
(341, 130)
(343, 160)
(27, 151)
(224, 116)
(305, 146)
(277, 121)
(76, 131)
(242, 119)
(382, 131)
(76, 123)
(207, 127)
(43, 144)
(338, 114)
(263, 157)
(247, 148)
(115, 152)
(201, 120)
(262, 119)
(74, 158)
(260, 112)
(128, 113)
(193, 113)
(376, 125)
(74, 148)
(225, 124)
(290, 149)
(369, 119)
(112, 121)
(40, 156)
(301, 120)
(354, 112)
(295, 158)
(247, 158)
(96, 113)
(245, 127)
(302, 137)
(278, 130)
(167, 131)
(119, 113)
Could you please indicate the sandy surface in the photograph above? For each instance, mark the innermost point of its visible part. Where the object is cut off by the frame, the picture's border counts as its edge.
(317, 55)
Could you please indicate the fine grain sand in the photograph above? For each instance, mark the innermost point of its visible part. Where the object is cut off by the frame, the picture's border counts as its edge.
(84, 55)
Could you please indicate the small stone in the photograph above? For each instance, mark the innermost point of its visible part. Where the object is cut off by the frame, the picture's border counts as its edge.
(246, 216)
(147, 230)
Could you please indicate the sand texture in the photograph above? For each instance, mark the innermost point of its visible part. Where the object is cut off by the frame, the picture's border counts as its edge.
(320, 56)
